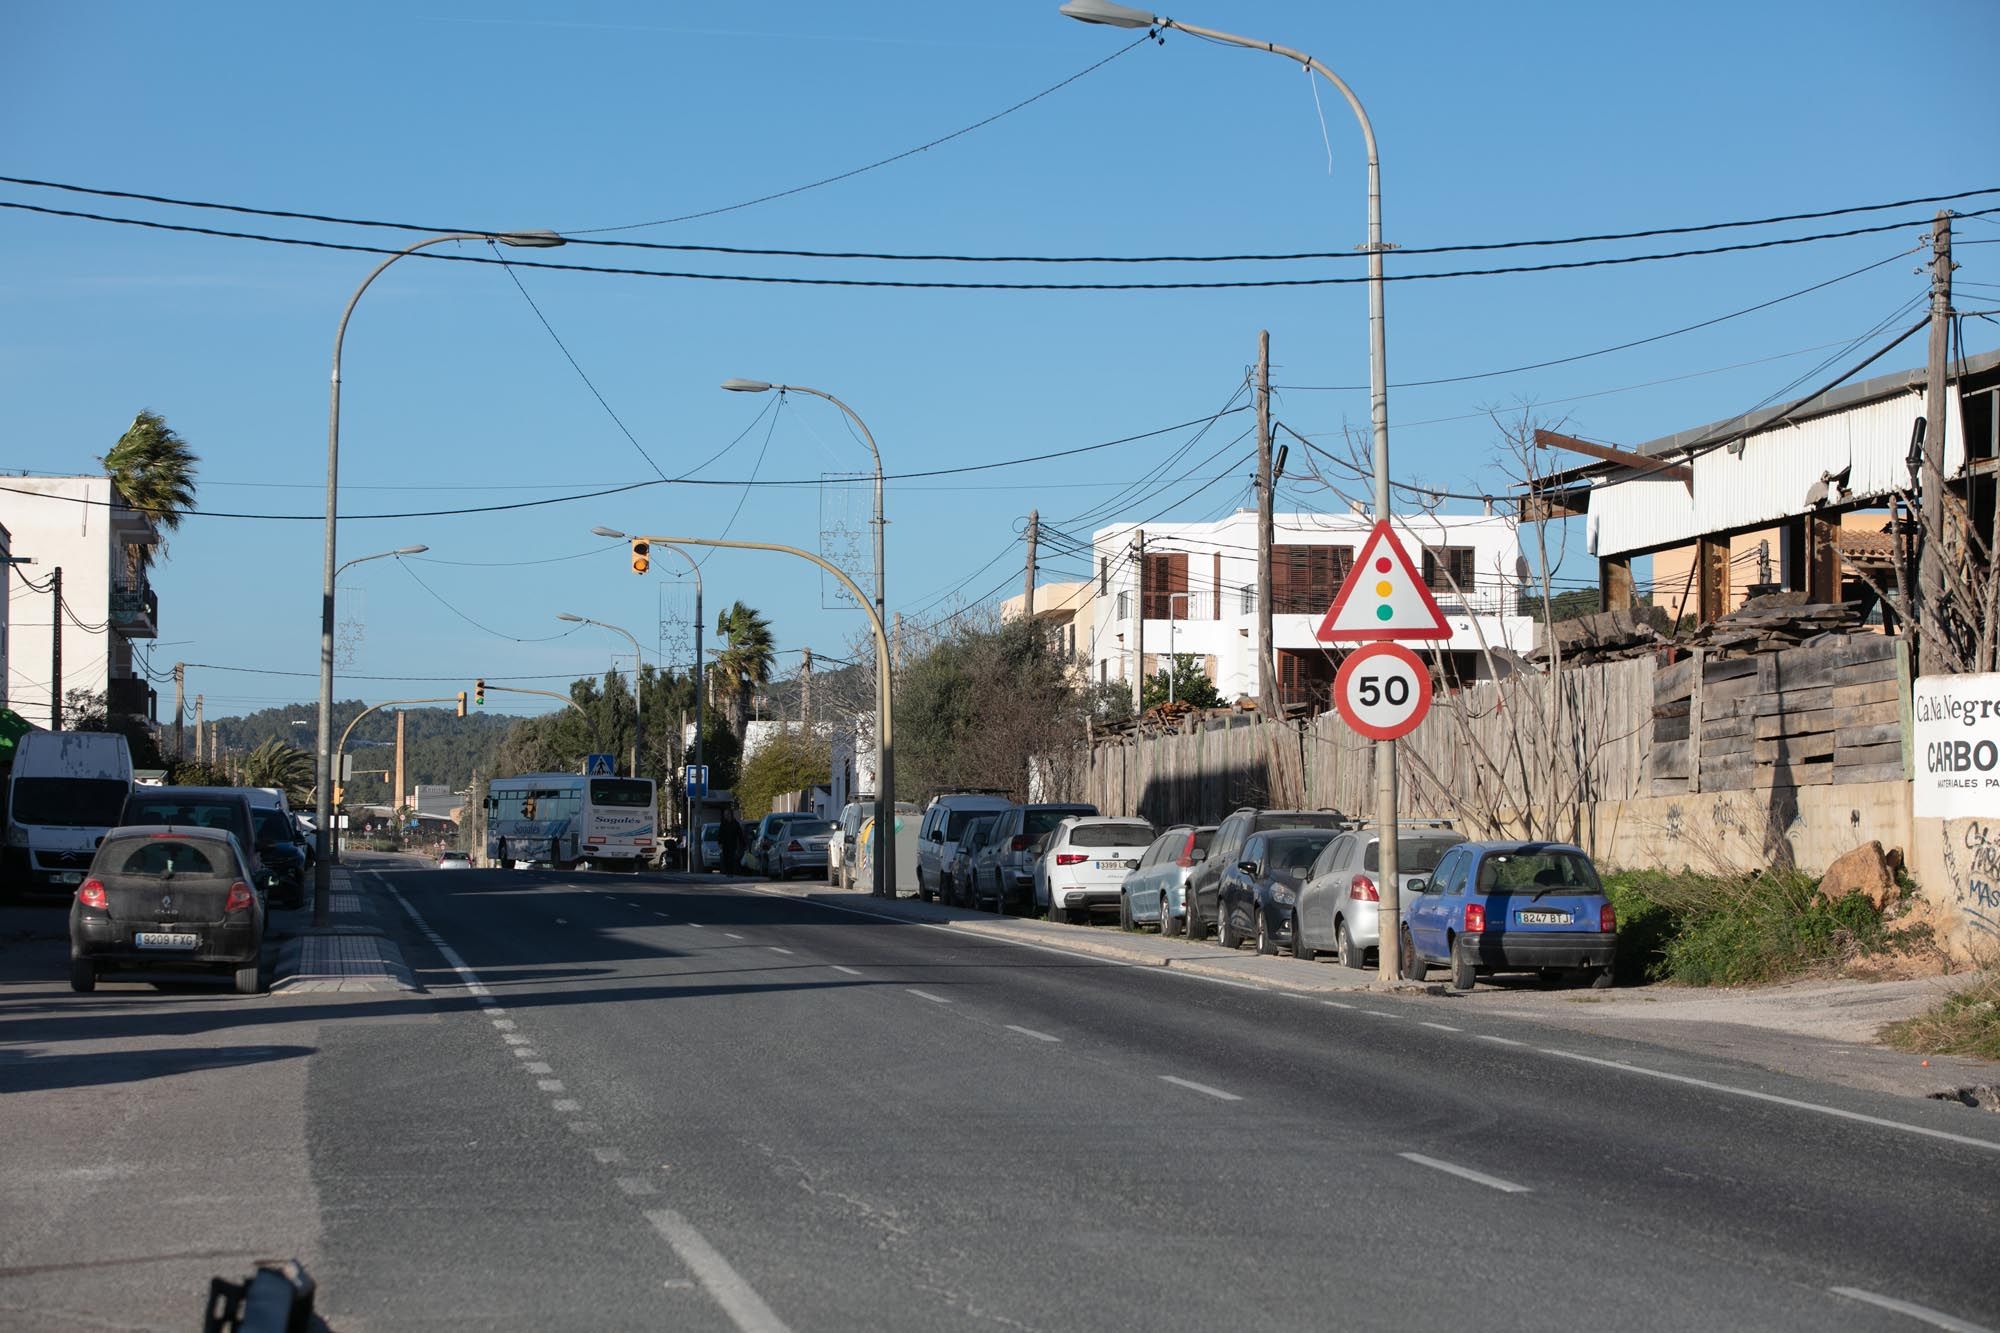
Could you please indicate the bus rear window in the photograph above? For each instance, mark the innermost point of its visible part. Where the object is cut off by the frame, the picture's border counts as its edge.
(620, 791)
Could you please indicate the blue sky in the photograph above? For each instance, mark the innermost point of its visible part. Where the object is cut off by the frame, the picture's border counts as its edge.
(1495, 122)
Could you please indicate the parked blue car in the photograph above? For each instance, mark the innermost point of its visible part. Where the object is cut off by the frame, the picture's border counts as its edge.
(1511, 907)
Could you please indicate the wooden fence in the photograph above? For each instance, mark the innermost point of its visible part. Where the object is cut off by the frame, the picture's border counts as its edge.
(1536, 754)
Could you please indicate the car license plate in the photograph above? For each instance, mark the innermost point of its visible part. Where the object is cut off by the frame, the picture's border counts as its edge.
(69, 877)
(1542, 918)
(1116, 865)
(156, 940)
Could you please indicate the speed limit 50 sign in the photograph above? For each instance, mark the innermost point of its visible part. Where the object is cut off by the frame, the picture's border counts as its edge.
(1383, 691)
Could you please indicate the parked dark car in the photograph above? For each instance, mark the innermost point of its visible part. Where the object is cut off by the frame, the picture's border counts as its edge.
(1003, 875)
(1511, 907)
(225, 808)
(283, 859)
(159, 897)
(1256, 897)
(1227, 849)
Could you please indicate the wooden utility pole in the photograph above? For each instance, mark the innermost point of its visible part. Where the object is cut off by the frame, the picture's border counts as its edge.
(1028, 590)
(200, 736)
(1139, 623)
(1930, 573)
(55, 652)
(1267, 685)
(805, 691)
(180, 710)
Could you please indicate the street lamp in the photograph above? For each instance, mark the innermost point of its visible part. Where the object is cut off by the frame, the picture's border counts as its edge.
(1122, 16)
(885, 758)
(379, 555)
(638, 685)
(323, 866)
(693, 828)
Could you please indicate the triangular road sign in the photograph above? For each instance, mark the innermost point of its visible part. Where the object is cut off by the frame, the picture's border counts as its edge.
(1383, 597)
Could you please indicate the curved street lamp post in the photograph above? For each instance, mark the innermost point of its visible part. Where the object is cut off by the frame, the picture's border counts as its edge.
(638, 686)
(323, 871)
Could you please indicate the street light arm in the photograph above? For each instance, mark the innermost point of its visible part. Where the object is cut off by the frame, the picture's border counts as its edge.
(852, 415)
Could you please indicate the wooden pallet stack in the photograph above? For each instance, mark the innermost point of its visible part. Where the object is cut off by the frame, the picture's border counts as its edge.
(1828, 712)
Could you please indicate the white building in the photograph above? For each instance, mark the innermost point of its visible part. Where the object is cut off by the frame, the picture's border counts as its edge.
(1199, 596)
(82, 526)
(6, 601)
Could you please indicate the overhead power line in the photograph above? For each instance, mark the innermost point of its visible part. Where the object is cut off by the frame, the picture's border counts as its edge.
(912, 284)
(583, 237)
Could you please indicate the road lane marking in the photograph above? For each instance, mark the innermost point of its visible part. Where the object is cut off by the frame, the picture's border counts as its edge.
(1465, 1173)
(1500, 1041)
(775, 949)
(1990, 1145)
(661, 915)
(504, 1024)
(608, 1156)
(1338, 1004)
(1441, 1027)
(538, 1067)
(724, 1285)
(525, 1053)
(513, 1038)
(1030, 1032)
(551, 1085)
(566, 1104)
(637, 1185)
(1201, 1088)
(695, 924)
(1935, 1318)
(848, 970)
(926, 995)
(1381, 1013)
(473, 985)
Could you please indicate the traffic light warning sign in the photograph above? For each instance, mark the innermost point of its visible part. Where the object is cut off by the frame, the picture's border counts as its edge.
(1383, 596)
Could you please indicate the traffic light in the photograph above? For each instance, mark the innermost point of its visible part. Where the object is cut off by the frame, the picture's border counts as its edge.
(479, 692)
(641, 557)
(461, 703)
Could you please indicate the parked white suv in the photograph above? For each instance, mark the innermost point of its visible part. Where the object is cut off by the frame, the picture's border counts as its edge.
(840, 847)
(937, 837)
(1084, 863)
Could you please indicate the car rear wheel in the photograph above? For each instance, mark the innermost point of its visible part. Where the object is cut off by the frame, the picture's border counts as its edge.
(1225, 929)
(1350, 954)
(1464, 971)
(1412, 967)
(82, 975)
(1302, 951)
(249, 979)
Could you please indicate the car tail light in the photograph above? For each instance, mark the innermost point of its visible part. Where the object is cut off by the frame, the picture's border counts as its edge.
(1475, 918)
(1363, 890)
(1186, 858)
(1070, 858)
(239, 898)
(92, 895)
(1021, 842)
(1607, 918)
(795, 847)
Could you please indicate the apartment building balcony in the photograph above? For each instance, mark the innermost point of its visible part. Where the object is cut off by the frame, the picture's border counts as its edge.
(134, 609)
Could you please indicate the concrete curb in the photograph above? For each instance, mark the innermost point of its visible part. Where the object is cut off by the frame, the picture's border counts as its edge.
(355, 953)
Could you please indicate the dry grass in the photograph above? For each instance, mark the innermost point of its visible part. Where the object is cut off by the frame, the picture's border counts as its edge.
(1966, 1022)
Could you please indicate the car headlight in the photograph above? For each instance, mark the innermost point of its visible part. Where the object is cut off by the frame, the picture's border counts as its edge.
(1283, 895)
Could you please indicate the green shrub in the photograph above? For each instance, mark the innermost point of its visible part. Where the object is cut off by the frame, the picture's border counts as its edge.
(1732, 930)
(1966, 1022)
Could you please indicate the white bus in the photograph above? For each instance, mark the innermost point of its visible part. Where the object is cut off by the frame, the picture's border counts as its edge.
(563, 820)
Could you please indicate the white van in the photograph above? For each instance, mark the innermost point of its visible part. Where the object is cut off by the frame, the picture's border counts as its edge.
(67, 790)
(937, 837)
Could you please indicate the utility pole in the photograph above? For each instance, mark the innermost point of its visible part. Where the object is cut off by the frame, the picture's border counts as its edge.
(200, 737)
(896, 640)
(1267, 685)
(180, 705)
(1930, 574)
(1028, 590)
(396, 796)
(805, 691)
(1139, 624)
(55, 652)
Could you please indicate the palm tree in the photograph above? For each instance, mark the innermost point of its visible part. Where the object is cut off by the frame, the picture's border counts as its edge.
(153, 468)
(276, 764)
(743, 665)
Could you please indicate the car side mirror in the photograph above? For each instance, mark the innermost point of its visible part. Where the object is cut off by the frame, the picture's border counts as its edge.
(1417, 886)
(1247, 867)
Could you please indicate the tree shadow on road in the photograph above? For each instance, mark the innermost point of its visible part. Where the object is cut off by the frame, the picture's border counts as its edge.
(31, 1069)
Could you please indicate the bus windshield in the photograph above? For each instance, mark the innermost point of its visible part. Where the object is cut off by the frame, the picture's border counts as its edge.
(620, 791)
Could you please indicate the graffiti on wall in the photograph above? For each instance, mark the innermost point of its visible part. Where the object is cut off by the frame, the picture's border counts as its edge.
(1972, 864)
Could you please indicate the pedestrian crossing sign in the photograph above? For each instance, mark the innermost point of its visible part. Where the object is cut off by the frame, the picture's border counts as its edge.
(599, 766)
(1383, 597)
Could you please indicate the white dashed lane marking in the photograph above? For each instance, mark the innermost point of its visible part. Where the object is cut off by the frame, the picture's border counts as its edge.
(1501, 1041)
(551, 1085)
(732, 934)
(539, 1067)
(568, 1104)
(1441, 1027)
(725, 1286)
(1030, 1032)
(1922, 1313)
(1201, 1088)
(848, 970)
(775, 949)
(926, 995)
(1465, 1173)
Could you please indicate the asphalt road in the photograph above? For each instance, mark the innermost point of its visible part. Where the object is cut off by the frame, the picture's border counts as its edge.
(633, 1102)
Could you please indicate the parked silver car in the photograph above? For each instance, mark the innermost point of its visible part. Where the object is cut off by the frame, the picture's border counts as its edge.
(799, 848)
(955, 885)
(841, 846)
(1003, 874)
(1153, 893)
(1338, 907)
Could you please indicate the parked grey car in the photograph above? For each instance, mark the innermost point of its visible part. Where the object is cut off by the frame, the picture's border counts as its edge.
(1226, 850)
(1339, 902)
(1153, 892)
(955, 882)
(799, 848)
(1004, 874)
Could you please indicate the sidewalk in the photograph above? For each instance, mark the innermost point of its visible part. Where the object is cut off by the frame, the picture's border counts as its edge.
(1817, 1029)
(354, 953)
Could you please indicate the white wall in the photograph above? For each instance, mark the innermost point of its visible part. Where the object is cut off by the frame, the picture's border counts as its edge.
(59, 532)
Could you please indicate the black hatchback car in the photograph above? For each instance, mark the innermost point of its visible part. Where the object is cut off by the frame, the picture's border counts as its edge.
(225, 808)
(1257, 896)
(165, 898)
(284, 861)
